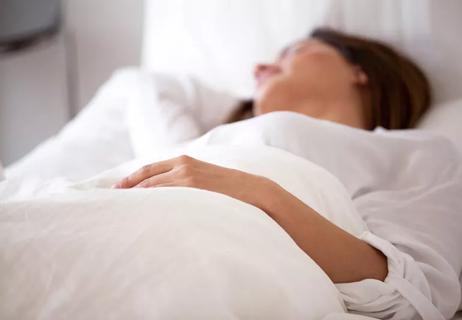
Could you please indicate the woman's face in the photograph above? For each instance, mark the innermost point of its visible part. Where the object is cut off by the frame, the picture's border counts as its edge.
(306, 71)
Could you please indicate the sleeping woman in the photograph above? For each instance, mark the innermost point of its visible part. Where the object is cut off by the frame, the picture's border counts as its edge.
(312, 199)
(342, 101)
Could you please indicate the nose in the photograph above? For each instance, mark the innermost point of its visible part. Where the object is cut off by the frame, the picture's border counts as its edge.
(262, 68)
(259, 68)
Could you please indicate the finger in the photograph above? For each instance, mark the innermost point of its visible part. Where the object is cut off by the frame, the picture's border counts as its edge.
(144, 173)
(160, 179)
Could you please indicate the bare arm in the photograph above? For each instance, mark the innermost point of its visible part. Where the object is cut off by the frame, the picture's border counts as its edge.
(341, 255)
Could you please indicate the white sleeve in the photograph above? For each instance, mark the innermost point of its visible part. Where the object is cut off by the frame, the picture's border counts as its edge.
(164, 110)
(411, 290)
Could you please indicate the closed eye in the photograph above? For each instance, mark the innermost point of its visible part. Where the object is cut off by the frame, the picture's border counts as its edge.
(293, 49)
(298, 48)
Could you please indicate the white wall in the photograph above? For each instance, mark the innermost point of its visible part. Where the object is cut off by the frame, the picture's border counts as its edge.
(108, 35)
(33, 98)
(33, 94)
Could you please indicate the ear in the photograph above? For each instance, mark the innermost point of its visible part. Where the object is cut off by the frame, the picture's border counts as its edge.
(360, 77)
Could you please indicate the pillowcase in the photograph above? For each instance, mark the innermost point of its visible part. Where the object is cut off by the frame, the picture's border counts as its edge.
(445, 120)
(131, 115)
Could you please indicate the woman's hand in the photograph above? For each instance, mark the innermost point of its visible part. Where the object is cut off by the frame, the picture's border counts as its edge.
(323, 241)
(189, 172)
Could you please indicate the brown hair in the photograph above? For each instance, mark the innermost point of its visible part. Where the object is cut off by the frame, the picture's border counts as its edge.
(399, 92)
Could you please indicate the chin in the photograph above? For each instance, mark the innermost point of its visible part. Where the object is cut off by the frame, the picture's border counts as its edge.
(263, 100)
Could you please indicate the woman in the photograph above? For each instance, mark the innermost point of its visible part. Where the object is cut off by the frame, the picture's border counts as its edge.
(343, 79)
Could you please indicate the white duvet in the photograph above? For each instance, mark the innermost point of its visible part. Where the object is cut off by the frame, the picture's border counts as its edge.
(90, 252)
(84, 251)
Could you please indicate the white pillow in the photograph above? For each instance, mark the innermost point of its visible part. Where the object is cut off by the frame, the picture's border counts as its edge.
(446, 120)
(220, 41)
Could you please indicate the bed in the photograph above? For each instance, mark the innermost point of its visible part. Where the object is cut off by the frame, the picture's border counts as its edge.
(207, 34)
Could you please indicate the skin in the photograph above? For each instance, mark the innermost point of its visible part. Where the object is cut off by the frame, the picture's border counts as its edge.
(312, 78)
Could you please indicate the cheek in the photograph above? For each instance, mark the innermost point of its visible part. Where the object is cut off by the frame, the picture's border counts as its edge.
(308, 67)
(318, 73)
(276, 86)
(272, 94)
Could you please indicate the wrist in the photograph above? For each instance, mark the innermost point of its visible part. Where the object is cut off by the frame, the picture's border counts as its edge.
(268, 196)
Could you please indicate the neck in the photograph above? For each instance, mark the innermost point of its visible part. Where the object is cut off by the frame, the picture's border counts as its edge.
(347, 112)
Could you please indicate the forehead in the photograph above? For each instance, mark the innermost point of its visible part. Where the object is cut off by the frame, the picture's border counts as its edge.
(303, 42)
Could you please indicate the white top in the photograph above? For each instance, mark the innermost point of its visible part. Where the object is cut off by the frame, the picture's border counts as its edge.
(407, 186)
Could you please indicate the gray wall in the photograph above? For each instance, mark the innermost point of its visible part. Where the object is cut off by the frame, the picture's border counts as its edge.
(106, 35)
